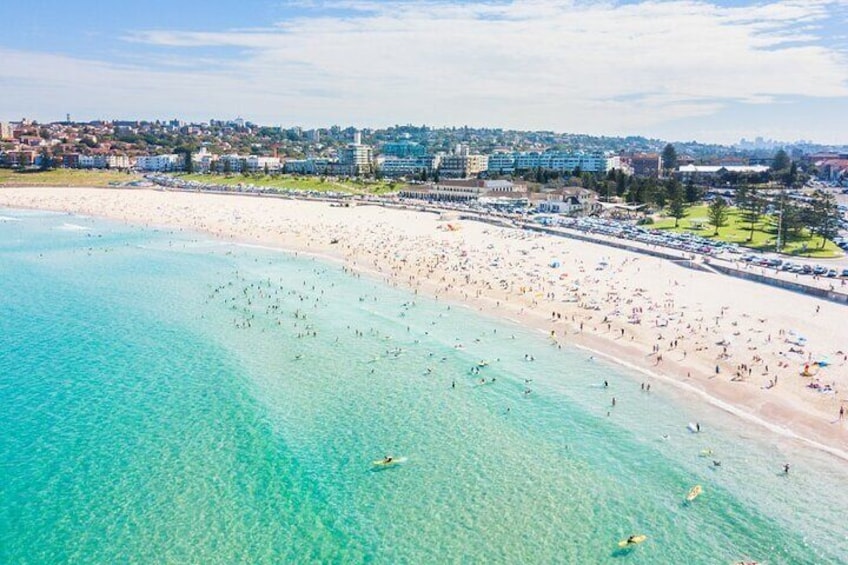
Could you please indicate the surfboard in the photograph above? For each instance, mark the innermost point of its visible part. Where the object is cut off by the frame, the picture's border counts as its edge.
(384, 463)
(694, 493)
(634, 541)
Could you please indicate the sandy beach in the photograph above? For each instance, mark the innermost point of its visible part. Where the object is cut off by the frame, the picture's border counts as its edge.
(743, 346)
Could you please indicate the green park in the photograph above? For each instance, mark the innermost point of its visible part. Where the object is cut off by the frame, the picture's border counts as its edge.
(738, 230)
(294, 182)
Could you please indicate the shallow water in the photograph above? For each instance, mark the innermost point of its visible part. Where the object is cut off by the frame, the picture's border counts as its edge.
(167, 397)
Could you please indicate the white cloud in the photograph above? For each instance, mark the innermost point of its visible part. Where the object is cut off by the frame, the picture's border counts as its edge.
(567, 66)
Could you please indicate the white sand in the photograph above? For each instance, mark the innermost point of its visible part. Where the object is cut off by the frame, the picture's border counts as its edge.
(506, 272)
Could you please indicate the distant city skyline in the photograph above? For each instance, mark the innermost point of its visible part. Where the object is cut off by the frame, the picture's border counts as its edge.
(711, 71)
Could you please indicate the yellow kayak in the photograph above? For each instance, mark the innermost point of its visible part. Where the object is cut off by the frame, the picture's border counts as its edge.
(632, 540)
(694, 493)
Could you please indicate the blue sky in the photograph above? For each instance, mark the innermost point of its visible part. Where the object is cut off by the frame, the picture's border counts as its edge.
(676, 69)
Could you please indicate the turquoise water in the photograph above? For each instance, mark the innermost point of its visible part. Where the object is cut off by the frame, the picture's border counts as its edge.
(170, 398)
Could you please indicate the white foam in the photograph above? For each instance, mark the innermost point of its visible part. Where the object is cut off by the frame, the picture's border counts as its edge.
(73, 227)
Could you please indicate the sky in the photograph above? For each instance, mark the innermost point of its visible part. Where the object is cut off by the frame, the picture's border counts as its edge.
(681, 70)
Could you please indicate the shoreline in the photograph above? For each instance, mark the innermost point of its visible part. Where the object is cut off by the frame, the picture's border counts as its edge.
(528, 298)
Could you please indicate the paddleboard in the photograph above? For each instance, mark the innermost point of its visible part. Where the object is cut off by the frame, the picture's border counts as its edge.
(635, 541)
(706, 452)
(693, 427)
(694, 493)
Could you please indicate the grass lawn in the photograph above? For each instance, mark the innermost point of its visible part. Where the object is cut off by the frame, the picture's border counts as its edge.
(294, 182)
(738, 231)
(64, 177)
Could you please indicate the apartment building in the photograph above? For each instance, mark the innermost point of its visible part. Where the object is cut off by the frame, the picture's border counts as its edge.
(256, 164)
(505, 163)
(394, 167)
(6, 131)
(645, 164)
(160, 163)
(462, 166)
(356, 159)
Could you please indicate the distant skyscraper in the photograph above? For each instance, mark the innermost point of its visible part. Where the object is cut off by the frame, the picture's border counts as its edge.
(357, 138)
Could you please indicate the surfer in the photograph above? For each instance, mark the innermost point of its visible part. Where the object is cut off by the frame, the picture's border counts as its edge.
(786, 468)
(631, 539)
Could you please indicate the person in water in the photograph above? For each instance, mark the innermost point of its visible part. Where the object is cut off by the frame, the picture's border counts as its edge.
(388, 459)
(631, 539)
(786, 468)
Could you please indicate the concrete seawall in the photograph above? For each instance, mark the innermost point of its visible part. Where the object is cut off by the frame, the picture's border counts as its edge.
(687, 260)
(833, 296)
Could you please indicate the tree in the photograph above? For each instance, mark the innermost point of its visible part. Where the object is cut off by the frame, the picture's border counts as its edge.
(792, 175)
(189, 164)
(781, 161)
(620, 182)
(693, 193)
(751, 205)
(717, 213)
(46, 161)
(792, 220)
(669, 158)
(824, 216)
(649, 190)
(677, 208)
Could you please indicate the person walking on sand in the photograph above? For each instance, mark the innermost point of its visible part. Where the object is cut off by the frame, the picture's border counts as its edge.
(841, 412)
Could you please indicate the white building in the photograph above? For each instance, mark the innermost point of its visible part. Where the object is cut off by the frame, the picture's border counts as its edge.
(556, 161)
(103, 162)
(356, 159)
(311, 166)
(203, 161)
(5, 131)
(690, 171)
(572, 201)
(464, 190)
(255, 164)
(160, 163)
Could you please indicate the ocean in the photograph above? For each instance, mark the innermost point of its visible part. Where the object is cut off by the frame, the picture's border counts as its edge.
(170, 398)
